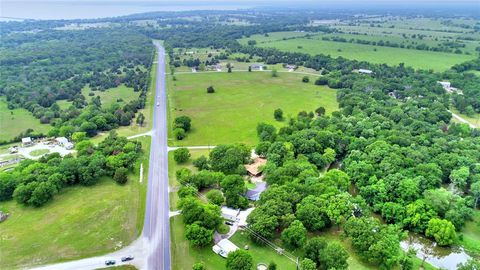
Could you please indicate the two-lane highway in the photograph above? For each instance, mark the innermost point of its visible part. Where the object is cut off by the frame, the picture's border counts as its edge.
(156, 230)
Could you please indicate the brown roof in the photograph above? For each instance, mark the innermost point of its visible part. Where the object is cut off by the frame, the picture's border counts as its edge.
(254, 167)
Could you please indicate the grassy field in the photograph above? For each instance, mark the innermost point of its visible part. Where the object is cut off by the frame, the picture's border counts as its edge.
(262, 253)
(241, 100)
(39, 152)
(437, 61)
(13, 122)
(471, 234)
(474, 120)
(174, 166)
(80, 222)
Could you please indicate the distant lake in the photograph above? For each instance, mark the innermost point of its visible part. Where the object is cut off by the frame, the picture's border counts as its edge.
(48, 10)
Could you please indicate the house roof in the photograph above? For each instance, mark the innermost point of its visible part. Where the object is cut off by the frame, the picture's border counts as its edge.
(226, 211)
(259, 188)
(26, 140)
(254, 168)
(62, 140)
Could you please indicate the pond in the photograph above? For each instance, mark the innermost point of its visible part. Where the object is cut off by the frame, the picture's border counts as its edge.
(441, 257)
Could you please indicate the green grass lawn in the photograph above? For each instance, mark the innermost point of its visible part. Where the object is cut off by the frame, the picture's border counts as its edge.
(13, 122)
(111, 95)
(437, 61)
(474, 120)
(241, 100)
(79, 222)
(174, 166)
(39, 152)
(471, 234)
(262, 253)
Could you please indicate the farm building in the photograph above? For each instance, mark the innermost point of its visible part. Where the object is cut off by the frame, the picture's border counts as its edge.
(27, 141)
(224, 247)
(254, 168)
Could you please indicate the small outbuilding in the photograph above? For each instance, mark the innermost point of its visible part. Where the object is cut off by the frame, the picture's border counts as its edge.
(254, 169)
(257, 66)
(224, 247)
(365, 71)
(27, 141)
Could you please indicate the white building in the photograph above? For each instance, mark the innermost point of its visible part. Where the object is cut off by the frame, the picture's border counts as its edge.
(257, 67)
(365, 71)
(229, 213)
(61, 140)
(223, 247)
(68, 145)
(27, 141)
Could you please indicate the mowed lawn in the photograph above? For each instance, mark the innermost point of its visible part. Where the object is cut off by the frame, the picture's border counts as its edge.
(13, 122)
(241, 100)
(438, 61)
(471, 234)
(79, 222)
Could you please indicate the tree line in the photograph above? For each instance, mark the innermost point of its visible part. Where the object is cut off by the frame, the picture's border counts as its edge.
(34, 183)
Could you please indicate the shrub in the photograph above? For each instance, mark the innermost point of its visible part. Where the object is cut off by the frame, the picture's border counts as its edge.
(181, 155)
(179, 133)
(120, 175)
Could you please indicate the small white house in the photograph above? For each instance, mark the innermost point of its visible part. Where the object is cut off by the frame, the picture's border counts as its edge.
(27, 141)
(365, 71)
(230, 213)
(257, 67)
(224, 247)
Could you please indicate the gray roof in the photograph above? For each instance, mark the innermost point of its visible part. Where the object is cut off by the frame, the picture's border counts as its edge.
(258, 189)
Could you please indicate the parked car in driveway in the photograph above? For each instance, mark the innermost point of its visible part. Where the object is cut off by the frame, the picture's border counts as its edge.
(126, 259)
(110, 262)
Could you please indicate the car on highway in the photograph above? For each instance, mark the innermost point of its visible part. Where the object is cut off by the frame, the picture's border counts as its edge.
(109, 262)
(126, 259)
(158, 104)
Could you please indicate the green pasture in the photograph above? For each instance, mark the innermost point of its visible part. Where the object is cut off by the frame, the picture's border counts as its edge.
(79, 222)
(241, 100)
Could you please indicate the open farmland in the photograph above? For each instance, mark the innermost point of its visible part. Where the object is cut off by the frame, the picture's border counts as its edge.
(420, 59)
(241, 100)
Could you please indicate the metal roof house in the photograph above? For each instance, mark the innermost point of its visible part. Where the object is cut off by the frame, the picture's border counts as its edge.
(254, 194)
(223, 247)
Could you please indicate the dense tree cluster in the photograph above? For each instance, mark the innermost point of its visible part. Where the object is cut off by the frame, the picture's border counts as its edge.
(57, 64)
(36, 182)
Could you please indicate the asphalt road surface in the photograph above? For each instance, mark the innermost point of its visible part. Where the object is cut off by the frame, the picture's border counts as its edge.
(156, 229)
(152, 250)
